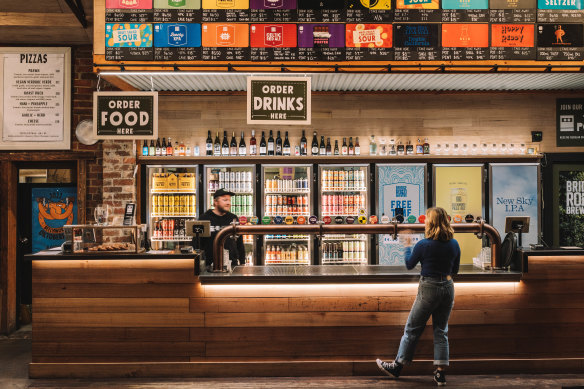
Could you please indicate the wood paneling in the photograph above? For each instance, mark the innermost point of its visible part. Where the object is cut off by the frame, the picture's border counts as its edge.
(268, 329)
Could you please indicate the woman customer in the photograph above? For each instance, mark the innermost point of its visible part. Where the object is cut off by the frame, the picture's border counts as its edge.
(439, 255)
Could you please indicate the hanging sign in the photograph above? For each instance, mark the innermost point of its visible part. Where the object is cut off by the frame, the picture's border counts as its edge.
(278, 100)
(569, 122)
(125, 115)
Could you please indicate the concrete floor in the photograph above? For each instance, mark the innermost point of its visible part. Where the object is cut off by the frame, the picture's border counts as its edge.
(15, 355)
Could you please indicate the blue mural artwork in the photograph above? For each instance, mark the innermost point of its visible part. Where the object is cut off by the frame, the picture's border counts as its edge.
(52, 208)
(400, 187)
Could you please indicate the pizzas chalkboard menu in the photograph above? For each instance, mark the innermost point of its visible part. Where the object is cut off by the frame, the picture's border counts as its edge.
(560, 11)
(315, 11)
(560, 42)
(369, 42)
(321, 42)
(467, 11)
(124, 11)
(279, 11)
(232, 11)
(273, 42)
(416, 42)
(465, 41)
(512, 41)
(374, 11)
(128, 42)
(177, 42)
(417, 11)
(225, 42)
(512, 11)
(179, 11)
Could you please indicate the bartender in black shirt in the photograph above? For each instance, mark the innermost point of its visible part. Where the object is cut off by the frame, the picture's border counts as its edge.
(220, 217)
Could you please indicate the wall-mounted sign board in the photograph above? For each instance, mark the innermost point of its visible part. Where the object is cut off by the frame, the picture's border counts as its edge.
(278, 100)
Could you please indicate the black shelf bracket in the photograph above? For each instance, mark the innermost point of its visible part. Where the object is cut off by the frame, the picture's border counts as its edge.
(77, 8)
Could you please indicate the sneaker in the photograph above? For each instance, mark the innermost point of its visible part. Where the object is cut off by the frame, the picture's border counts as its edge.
(440, 377)
(389, 368)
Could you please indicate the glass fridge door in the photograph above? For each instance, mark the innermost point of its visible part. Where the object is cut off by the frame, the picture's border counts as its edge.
(344, 197)
(287, 196)
(241, 180)
(171, 200)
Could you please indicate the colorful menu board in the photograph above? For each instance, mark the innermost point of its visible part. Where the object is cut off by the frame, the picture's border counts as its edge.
(348, 30)
(459, 190)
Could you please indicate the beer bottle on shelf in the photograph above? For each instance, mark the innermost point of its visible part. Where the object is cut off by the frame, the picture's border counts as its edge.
(278, 144)
(357, 146)
(400, 148)
(263, 147)
(329, 150)
(409, 148)
(182, 149)
(314, 147)
(176, 149)
(217, 146)
(322, 146)
(426, 146)
(224, 145)
(271, 143)
(233, 145)
(344, 148)
(286, 147)
(152, 149)
(303, 144)
(419, 147)
(145, 148)
(336, 152)
(163, 148)
(242, 146)
(169, 149)
(372, 146)
(209, 144)
(253, 148)
(351, 147)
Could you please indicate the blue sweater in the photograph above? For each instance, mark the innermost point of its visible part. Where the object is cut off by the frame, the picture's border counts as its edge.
(437, 258)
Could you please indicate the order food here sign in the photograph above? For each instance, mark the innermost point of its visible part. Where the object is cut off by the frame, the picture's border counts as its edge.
(278, 100)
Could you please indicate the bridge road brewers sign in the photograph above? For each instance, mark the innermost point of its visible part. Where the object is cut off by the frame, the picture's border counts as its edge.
(35, 98)
(125, 115)
(278, 100)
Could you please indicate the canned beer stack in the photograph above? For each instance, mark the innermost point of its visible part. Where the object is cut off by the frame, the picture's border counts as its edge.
(336, 205)
(286, 205)
(174, 204)
(279, 185)
(242, 205)
(343, 180)
(238, 182)
(346, 251)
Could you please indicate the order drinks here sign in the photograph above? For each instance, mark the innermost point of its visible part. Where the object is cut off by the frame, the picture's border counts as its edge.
(278, 100)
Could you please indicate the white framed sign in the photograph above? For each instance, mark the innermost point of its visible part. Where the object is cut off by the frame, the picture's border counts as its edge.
(35, 98)
(278, 100)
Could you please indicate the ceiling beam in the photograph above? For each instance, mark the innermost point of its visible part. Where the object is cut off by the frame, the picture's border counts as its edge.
(77, 8)
(38, 19)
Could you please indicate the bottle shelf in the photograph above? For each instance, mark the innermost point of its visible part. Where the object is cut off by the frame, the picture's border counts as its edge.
(174, 216)
(344, 190)
(173, 192)
(292, 191)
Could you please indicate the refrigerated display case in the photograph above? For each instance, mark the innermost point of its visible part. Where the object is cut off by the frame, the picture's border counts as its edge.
(241, 180)
(344, 197)
(286, 192)
(171, 200)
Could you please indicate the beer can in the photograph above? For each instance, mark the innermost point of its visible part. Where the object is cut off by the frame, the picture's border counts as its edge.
(279, 200)
(193, 210)
(164, 209)
(250, 201)
(154, 204)
(237, 176)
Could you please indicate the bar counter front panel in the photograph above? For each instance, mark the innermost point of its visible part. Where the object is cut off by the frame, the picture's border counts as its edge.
(154, 318)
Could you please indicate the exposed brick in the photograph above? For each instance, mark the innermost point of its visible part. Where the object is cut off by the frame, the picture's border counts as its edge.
(122, 182)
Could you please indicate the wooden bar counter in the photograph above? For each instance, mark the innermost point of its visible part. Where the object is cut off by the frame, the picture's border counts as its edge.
(148, 315)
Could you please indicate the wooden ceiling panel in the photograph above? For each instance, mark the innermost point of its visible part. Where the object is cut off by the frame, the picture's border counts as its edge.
(43, 35)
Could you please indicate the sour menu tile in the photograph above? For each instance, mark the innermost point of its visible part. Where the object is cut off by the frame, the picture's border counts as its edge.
(177, 42)
(416, 42)
(128, 42)
(273, 42)
(273, 10)
(314, 11)
(321, 42)
(512, 11)
(225, 42)
(226, 11)
(564, 11)
(373, 11)
(560, 42)
(369, 42)
(512, 41)
(465, 42)
(182, 11)
(467, 11)
(121, 11)
(417, 11)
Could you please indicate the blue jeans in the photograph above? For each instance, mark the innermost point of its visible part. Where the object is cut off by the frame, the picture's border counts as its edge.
(435, 298)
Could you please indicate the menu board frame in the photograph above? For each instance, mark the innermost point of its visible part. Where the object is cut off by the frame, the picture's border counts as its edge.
(64, 90)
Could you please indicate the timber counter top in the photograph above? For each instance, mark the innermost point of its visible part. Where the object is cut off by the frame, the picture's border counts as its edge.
(52, 255)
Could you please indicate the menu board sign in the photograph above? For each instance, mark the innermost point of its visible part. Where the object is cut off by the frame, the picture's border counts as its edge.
(560, 42)
(416, 42)
(376, 11)
(512, 41)
(279, 11)
(459, 190)
(233, 11)
(182, 11)
(465, 11)
(512, 11)
(369, 42)
(321, 11)
(321, 42)
(563, 11)
(177, 42)
(273, 42)
(569, 122)
(402, 190)
(466, 42)
(125, 115)
(568, 205)
(128, 42)
(225, 42)
(417, 11)
(123, 11)
(278, 100)
(35, 98)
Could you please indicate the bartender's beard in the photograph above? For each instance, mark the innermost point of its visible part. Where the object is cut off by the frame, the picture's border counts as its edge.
(222, 210)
